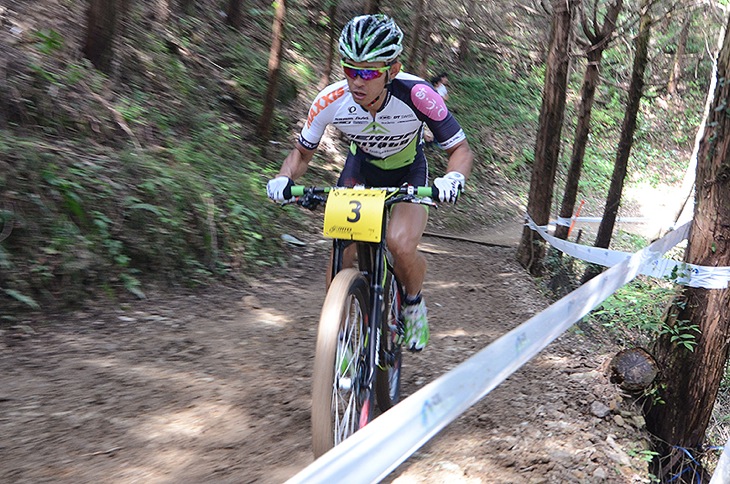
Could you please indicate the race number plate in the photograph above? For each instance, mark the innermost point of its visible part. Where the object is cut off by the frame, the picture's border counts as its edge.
(354, 214)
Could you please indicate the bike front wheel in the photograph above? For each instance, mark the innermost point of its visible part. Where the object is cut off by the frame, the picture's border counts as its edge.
(341, 402)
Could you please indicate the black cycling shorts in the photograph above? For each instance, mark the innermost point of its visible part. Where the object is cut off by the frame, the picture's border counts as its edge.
(359, 171)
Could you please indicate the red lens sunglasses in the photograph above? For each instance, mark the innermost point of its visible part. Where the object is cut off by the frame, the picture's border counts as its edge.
(366, 74)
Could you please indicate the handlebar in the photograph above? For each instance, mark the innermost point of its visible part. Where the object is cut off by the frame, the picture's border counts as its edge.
(300, 190)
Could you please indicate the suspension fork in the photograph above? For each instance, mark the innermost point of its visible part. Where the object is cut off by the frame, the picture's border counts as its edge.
(338, 247)
(371, 257)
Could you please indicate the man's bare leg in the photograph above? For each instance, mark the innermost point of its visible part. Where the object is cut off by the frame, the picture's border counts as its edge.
(406, 226)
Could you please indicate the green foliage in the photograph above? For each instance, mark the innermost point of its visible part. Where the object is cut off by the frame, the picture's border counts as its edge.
(725, 383)
(184, 214)
(654, 393)
(48, 41)
(681, 333)
(636, 310)
(506, 102)
(93, 210)
(22, 298)
(642, 454)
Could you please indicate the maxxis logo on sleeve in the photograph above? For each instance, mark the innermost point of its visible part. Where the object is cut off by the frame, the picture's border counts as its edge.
(322, 102)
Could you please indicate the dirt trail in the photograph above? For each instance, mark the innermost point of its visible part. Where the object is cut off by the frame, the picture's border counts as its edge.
(214, 386)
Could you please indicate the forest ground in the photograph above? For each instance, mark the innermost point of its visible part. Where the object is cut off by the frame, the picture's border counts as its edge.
(214, 386)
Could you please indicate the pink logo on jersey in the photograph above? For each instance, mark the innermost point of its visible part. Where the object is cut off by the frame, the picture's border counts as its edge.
(429, 102)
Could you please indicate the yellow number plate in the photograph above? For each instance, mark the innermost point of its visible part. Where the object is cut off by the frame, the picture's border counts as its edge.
(354, 214)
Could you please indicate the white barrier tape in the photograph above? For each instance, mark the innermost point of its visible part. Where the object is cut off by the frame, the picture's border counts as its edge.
(371, 453)
(722, 471)
(682, 273)
(567, 221)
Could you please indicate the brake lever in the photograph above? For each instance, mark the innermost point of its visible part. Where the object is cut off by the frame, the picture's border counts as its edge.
(290, 201)
(312, 202)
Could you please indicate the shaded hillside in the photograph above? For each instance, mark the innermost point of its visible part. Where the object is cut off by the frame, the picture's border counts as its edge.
(152, 174)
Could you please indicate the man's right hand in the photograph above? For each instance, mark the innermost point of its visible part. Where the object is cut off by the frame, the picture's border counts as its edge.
(279, 187)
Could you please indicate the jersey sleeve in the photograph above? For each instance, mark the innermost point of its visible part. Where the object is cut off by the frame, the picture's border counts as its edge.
(431, 109)
(321, 113)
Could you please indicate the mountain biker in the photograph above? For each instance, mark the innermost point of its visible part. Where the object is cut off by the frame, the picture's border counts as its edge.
(382, 110)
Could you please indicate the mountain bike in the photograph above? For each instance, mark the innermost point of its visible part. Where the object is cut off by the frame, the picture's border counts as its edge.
(359, 339)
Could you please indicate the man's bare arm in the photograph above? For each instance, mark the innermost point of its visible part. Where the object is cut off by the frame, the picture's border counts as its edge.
(296, 162)
(460, 159)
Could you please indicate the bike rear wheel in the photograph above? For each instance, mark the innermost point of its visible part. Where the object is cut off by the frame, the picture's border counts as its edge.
(341, 404)
(387, 382)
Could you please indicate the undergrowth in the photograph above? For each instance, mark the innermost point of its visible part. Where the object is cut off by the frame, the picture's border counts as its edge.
(154, 171)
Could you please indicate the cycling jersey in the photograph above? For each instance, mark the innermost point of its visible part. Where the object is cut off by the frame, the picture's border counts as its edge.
(392, 138)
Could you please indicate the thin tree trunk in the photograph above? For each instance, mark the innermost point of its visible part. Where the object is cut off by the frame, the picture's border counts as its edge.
(100, 28)
(691, 379)
(582, 130)
(547, 148)
(331, 39)
(371, 7)
(422, 69)
(123, 17)
(626, 140)
(678, 55)
(162, 11)
(187, 7)
(4, 92)
(599, 41)
(465, 41)
(277, 47)
(684, 209)
(234, 14)
(416, 33)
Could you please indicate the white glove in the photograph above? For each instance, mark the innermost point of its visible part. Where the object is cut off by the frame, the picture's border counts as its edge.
(449, 186)
(276, 187)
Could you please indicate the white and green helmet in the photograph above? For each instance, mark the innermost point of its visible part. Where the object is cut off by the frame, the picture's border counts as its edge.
(371, 38)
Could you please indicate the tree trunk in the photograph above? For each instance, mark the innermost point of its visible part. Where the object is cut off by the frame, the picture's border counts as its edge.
(692, 378)
(426, 45)
(331, 40)
(626, 139)
(683, 211)
(234, 14)
(547, 148)
(678, 55)
(187, 7)
(580, 140)
(416, 33)
(4, 91)
(465, 41)
(599, 41)
(162, 11)
(123, 19)
(277, 47)
(371, 7)
(101, 23)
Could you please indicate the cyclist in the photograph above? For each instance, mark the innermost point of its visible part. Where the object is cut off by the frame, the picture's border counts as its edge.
(382, 110)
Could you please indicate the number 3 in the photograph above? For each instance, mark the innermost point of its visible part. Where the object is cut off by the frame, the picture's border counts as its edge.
(356, 206)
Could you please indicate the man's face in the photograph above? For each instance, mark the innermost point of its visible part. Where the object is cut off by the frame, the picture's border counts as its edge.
(365, 91)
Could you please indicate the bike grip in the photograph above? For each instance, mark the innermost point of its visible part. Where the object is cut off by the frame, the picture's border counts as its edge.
(432, 192)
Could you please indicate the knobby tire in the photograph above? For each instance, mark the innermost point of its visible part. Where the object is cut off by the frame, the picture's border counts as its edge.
(339, 408)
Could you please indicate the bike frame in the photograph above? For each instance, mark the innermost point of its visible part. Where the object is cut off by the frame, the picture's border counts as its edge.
(374, 271)
(371, 262)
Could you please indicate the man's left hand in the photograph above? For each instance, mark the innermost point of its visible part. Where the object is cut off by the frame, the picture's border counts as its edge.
(449, 186)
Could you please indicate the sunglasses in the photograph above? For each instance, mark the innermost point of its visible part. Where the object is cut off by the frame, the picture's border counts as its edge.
(366, 74)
